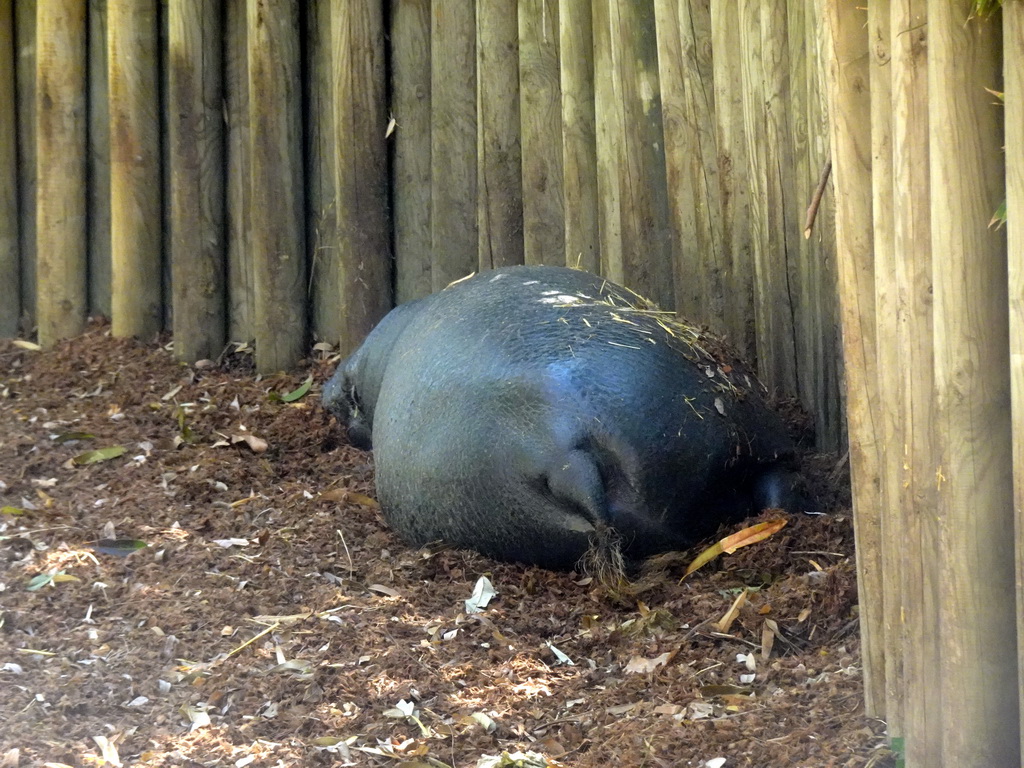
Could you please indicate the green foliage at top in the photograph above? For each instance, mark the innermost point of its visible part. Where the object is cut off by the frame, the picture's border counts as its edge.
(984, 8)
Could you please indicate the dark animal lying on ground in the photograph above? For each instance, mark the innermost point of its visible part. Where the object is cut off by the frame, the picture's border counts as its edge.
(539, 414)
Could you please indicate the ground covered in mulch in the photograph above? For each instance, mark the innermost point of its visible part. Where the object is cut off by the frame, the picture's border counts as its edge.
(273, 619)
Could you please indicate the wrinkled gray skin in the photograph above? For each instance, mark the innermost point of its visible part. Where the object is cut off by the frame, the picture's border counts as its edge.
(519, 413)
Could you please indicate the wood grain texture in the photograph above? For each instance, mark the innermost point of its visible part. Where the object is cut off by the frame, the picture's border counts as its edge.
(135, 179)
(579, 139)
(411, 187)
(912, 572)
(241, 287)
(845, 49)
(541, 120)
(322, 238)
(196, 133)
(973, 462)
(1013, 88)
(10, 260)
(453, 174)
(754, 126)
(499, 146)
(99, 162)
(25, 82)
(361, 119)
(779, 276)
(731, 143)
(880, 618)
(608, 130)
(61, 169)
(631, 137)
(276, 206)
(822, 283)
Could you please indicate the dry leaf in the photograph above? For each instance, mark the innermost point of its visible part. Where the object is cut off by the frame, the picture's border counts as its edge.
(257, 444)
(731, 543)
(639, 665)
(726, 621)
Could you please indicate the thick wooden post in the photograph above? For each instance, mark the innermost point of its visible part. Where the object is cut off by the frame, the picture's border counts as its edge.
(61, 169)
(240, 269)
(1013, 89)
(541, 111)
(197, 178)
(731, 143)
(361, 181)
(276, 192)
(411, 187)
(636, 241)
(322, 238)
(973, 468)
(453, 156)
(846, 52)
(99, 162)
(25, 76)
(699, 261)
(887, 659)
(579, 142)
(135, 181)
(499, 142)
(10, 267)
(912, 571)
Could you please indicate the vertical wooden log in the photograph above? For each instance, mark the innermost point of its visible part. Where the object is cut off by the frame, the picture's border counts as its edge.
(10, 268)
(25, 83)
(99, 162)
(241, 269)
(780, 276)
(541, 111)
(801, 259)
(912, 701)
(883, 648)
(701, 266)
(321, 177)
(361, 122)
(637, 138)
(734, 190)
(579, 141)
(607, 121)
(453, 198)
(752, 85)
(682, 154)
(1013, 89)
(195, 105)
(974, 467)
(826, 368)
(276, 192)
(61, 169)
(499, 165)
(411, 186)
(845, 45)
(135, 182)
(695, 34)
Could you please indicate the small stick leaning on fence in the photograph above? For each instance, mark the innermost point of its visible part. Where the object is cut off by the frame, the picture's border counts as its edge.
(812, 209)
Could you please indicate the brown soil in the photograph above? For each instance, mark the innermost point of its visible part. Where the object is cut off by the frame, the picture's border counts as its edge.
(273, 619)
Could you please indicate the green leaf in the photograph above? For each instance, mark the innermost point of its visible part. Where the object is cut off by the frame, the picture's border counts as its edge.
(118, 547)
(15, 511)
(102, 454)
(999, 217)
(69, 436)
(294, 395)
(39, 581)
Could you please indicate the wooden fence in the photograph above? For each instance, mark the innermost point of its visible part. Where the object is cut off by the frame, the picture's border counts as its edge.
(933, 325)
(271, 171)
(275, 171)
